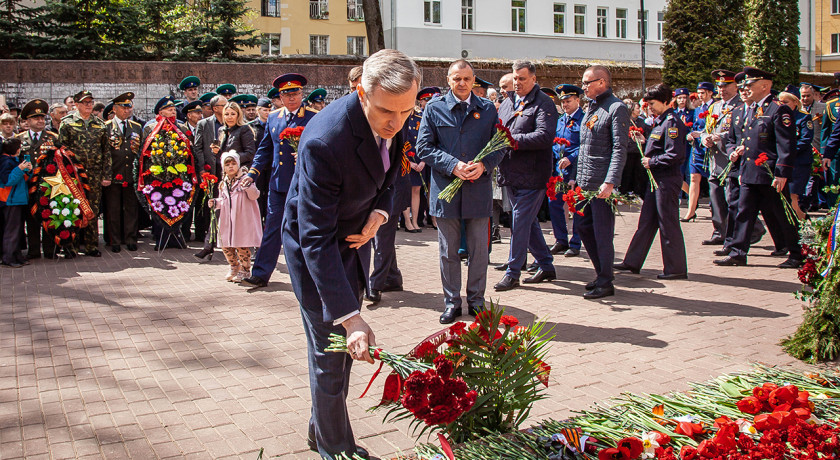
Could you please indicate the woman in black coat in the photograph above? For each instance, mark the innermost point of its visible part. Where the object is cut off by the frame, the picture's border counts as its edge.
(235, 135)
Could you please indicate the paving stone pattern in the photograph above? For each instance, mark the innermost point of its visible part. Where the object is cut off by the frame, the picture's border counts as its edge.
(145, 355)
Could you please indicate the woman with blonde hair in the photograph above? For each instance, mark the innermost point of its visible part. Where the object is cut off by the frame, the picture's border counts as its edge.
(802, 163)
(235, 135)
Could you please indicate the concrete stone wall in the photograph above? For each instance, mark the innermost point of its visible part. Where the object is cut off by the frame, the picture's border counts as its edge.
(23, 80)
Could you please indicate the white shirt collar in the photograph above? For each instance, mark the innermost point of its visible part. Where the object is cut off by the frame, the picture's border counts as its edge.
(378, 139)
(469, 96)
(33, 133)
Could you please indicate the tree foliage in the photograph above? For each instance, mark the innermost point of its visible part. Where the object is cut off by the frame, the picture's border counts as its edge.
(700, 36)
(772, 40)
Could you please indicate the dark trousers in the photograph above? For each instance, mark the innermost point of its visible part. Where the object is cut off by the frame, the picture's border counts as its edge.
(90, 234)
(597, 230)
(385, 271)
(121, 214)
(33, 232)
(720, 209)
(272, 242)
(525, 232)
(557, 211)
(329, 379)
(12, 225)
(660, 211)
(733, 193)
(764, 198)
(201, 215)
(475, 232)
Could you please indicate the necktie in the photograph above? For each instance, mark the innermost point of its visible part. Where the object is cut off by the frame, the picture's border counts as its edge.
(750, 113)
(125, 129)
(383, 153)
(35, 138)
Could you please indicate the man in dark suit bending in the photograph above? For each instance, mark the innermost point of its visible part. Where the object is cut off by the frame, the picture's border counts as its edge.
(347, 160)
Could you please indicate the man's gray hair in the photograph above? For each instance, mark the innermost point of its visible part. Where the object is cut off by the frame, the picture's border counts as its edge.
(214, 101)
(57, 105)
(520, 64)
(390, 70)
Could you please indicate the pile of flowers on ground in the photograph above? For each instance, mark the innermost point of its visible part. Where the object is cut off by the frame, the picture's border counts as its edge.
(769, 413)
(467, 380)
(168, 178)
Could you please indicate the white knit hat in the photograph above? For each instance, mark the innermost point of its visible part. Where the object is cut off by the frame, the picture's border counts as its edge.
(230, 154)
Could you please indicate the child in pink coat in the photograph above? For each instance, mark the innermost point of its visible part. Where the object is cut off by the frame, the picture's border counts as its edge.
(239, 218)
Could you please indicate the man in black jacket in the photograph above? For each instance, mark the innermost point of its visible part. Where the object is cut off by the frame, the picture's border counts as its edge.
(531, 117)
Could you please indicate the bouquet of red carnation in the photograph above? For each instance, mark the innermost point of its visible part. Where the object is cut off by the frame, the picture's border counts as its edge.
(501, 139)
(562, 142)
(555, 186)
(466, 380)
(637, 133)
(789, 212)
(292, 136)
(577, 199)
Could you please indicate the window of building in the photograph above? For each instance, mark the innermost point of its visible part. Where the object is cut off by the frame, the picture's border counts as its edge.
(660, 25)
(355, 12)
(319, 44)
(270, 45)
(431, 11)
(643, 23)
(318, 9)
(356, 46)
(835, 43)
(621, 23)
(517, 15)
(835, 6)
(559, 18)
(580, 19)
(271, 8)
(601, 22)
(467, 15)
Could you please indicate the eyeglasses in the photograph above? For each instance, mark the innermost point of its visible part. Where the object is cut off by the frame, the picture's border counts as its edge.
(587, 83)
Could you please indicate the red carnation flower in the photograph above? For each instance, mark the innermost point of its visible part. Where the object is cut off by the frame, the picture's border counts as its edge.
(688, 453)
(509, 321)
(51, 168)
(155, 183)
(118, 177)
(44, 201)
(125, 184)
(762, 158)
(178, 181)
(45, 214)
(64, 234)
(207, 167)
(458, 328)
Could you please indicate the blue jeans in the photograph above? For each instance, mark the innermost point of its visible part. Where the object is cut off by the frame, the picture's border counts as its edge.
(557, 211)
(525, 231)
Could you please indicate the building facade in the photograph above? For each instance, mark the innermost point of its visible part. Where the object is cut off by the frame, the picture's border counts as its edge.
(827, 20)
(318, 27)
(576, 30)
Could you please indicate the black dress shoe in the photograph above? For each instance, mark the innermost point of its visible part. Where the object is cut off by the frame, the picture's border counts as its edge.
(391, 288)
(533, 267)
(540, 276)
(790, 263)
(624, 267)
(572, 252)
(599, 292)
(722, 252)
(204, 254)
(672, 276)
(93, 253)
(506, 284)
(474, 311)
(449, 315)
(757, 237)
(360, 451)
(732, 261)
(131, 247)
(11, 264)
(559, 247)
(715, 240)
(374, 295)
(591, 285)
(116, 248)
(779, 252)
(254, 282)
(500, 268)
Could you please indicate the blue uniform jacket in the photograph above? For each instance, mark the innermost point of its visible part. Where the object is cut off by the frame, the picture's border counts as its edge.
(448, 136)
(568, 127)
(698, 151)
(338, 183)
(804, 138)
(276, 152)
(665, 146)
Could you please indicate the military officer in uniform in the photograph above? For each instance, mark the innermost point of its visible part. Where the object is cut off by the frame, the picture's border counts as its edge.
(193, 114)
(31, 140)
(277, 154)
(120, 199)
(768, 128)
(248, 103)
(274, 96)
(189, 86)
(565, 162)
(829, 118)
(258, 125)
(206, 106)
(317, 99)
(810, 95)
(480, 87)
(665, 151)
(85, 135)
(227, 90)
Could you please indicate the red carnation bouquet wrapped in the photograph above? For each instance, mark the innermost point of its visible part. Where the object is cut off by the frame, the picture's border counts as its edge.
(292, 136)
(501, 139)
(466, 380)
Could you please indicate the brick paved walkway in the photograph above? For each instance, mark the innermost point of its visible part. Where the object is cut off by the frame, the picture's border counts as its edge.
(156, 356)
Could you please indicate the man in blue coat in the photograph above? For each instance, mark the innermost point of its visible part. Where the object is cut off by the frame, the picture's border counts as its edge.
(349, 157)
(565, 159)
(454, 129)
(280, 156)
